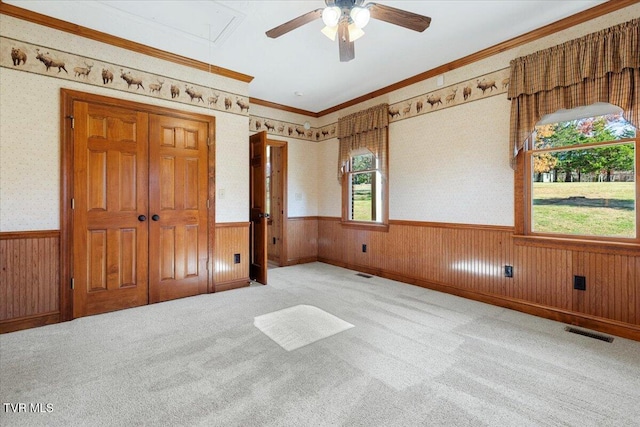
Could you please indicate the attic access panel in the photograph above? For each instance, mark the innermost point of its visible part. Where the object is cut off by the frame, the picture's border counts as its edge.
(203, 20)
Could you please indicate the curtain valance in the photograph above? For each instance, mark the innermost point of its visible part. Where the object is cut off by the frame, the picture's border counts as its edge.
(364, 129)
(600, 67)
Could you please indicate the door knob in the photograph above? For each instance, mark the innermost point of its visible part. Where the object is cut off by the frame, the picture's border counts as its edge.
(155, 217)
(142, 218)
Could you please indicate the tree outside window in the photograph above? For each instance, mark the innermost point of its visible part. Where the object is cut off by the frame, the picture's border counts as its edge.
(364, 181)
(583, 178)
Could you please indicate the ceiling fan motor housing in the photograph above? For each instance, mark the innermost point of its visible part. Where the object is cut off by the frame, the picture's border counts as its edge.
(338, 10)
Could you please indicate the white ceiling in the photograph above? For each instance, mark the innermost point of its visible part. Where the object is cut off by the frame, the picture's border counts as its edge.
(231, 34)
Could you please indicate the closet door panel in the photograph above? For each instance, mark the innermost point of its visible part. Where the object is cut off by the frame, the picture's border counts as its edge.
(178, 191)
(110, 192)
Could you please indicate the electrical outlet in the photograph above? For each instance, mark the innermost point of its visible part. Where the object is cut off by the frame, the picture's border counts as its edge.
(508, 271)
(236, 258)
(364, 248)
(580, 283)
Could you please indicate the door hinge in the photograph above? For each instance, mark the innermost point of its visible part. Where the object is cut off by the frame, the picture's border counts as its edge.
(73, 203)
(73, 283)
(73, 121)
(208, 204)
(208, 141)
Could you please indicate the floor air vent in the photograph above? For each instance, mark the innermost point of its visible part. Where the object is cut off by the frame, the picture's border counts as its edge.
(588, 334)
(366, 276)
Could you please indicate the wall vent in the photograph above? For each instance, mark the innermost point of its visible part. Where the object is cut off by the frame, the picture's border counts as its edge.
(589, 334)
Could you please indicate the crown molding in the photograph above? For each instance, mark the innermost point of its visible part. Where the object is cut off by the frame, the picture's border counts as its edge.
(579, 18)
(563, 24)
(58, 24)
(257, 101)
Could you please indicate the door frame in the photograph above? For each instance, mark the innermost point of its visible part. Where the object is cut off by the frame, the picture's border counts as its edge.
(285, 204)
(67, 99)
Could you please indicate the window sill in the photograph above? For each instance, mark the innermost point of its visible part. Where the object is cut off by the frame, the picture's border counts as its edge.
(596, 246)
(371, 226)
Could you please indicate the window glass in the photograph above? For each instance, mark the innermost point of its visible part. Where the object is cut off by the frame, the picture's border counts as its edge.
(365, 189)
(583, 180)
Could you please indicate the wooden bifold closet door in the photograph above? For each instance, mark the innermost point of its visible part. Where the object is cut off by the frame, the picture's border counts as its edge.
(140, 208)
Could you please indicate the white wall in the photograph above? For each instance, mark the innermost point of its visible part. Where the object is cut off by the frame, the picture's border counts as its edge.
(452, 165)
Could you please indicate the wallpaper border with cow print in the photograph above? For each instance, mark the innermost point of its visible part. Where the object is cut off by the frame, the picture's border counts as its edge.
(474, 89)
(28, 57)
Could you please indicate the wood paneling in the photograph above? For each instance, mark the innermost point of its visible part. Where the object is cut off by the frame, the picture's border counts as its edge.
(231, 239)
(29, 278)
(468, 260)
(302, 240)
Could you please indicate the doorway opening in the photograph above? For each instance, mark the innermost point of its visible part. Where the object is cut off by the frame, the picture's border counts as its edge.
(276, 194)
(267, 197)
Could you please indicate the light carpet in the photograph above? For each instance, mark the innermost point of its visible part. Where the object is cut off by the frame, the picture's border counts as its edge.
(301, 325)
(414, 358)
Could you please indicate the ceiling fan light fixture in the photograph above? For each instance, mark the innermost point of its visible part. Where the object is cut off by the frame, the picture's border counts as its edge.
(354, 32)
(330, 32)
(360, 16)
(331, 16)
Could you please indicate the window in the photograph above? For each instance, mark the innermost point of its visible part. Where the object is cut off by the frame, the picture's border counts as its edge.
(581, 179)
(364, 188)
(362, 167)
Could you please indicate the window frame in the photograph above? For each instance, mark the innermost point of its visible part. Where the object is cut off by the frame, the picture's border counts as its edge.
(383, 224)
(523, 207)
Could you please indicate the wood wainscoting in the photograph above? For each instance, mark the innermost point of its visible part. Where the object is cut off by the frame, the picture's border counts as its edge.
(469, 260)
(232, 238)
(302, 240)
(30, 273)
(29, 279)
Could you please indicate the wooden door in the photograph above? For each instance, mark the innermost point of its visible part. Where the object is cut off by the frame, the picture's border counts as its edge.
(257, 206)
(110, 224)
(178, 247)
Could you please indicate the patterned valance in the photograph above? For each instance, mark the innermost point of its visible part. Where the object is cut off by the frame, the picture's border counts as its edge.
(364, 129)
(599, 67)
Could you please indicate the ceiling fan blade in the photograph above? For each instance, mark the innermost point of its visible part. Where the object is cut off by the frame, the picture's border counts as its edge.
(400, 17)
(347, 49)
(294, 23)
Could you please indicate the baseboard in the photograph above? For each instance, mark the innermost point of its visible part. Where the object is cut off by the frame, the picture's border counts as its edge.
(231, 284)
(28, 322)
(600, 324)
(304, 260)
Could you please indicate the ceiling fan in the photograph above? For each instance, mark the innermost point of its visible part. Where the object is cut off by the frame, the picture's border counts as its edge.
(346, 18)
